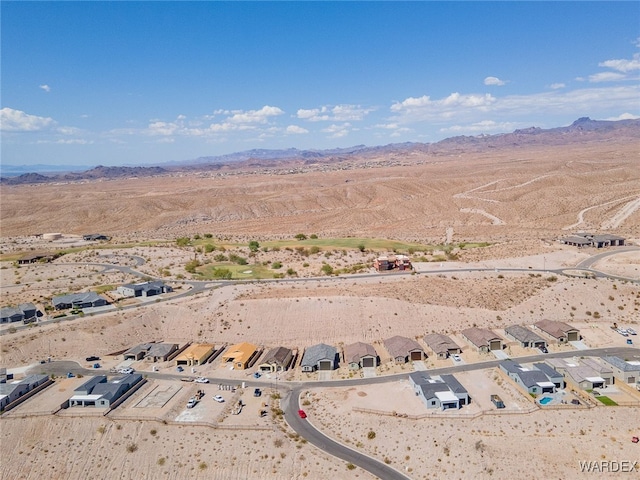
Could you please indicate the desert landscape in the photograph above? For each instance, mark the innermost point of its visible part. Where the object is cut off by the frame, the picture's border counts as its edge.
(482, 229)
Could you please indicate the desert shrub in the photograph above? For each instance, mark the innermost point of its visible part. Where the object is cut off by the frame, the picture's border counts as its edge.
(371, 435)
(276, 265)
(300, 236)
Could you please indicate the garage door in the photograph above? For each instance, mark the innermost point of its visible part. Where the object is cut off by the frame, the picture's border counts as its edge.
(496, 345)
(325, 365)
(416, 355)
(368, 362)
(573, 336)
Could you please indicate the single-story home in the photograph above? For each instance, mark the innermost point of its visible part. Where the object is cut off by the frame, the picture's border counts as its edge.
(277, 359)
(319, 357)
(241, 355)
(158, 352)
(441, 345)
(583, 239)
(359, 355)
(525, 337)
(99, 392)
(10, 392)
(145, 289)
(554, 376)
(36, 257)
(442, 391)
(530, 379)
(403, 349)
(93, 237)
(482, 339)
(623, 370)
(578, 373)
(559, 331)
(195, 354)
(78, 300)
(25, 312)
(392, 262)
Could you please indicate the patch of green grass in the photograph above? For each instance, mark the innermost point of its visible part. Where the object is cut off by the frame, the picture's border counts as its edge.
(238, 272)
(607, 401)
(352, 243)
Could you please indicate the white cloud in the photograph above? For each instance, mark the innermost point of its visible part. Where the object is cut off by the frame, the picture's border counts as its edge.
(481, 127)
(338, 131)
(623, 65)
(624, 116)
(45, 87)
(255, 116)
(335, 113)
(18, 121)
(557, 86)
(296, 129)
(495, 81)
(606, 77)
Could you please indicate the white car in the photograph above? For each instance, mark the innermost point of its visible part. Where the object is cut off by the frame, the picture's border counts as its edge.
(631, 331)
(126, 371)
(192, 402)
(218, 398)
(201, 380)
(456, 357)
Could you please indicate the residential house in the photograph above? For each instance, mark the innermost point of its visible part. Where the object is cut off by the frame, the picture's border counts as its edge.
(482, 339)
(36, 257)
(145, 289)
(583, 239)
(195, 354)
(525, 337)
(559, 331)
(78, 300)
(554, 376)
(531, 380)
(359, 355)
(392, 262)
(623, 370)
(577, 373)
(241, 355)
(441, 345)
(25, 312)
(439, 392)
(99, 392)
(403, 349)
(161, 352)
(319, 357)
(277, 359)
(11, 392)
(94, 237)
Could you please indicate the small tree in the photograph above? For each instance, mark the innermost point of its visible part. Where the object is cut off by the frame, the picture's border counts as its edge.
(327, 269)
(183, 241)
(254, 245)
(301, 236)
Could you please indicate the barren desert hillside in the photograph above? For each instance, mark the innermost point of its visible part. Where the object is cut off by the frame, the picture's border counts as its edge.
(525, 191)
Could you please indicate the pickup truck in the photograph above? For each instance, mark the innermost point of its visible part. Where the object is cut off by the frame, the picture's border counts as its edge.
(192, 402)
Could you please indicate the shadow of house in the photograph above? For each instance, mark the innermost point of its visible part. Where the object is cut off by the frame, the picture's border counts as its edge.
(359, 355)
(441, 345)
(443, 392)
(559, 331)
(403, 349)
(78, 300)
(482, 339)
(277, 359)
(319, 357)
(525, 337)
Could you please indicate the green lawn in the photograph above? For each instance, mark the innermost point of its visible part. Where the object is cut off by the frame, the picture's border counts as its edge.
(238, 272)
(606, 400)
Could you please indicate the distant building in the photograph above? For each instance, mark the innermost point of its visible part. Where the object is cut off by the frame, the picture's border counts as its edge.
(78, 300)
(94, 237)
(157, 352)
(559, 331)
(392, 262)
(146, 289)
(441, 345)
(582, 239)
(36, 257)
(25, 312)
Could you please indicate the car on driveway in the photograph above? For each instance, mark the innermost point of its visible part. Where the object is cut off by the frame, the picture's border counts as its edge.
(201, 380)
(92, 358)
(126, 371)
(543, 349)
(456, 357)
(302, 414)
(218, 398)
(257, 392)
(192, 402)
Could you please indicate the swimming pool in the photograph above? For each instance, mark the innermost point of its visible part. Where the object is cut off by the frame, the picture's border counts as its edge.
(545, 400)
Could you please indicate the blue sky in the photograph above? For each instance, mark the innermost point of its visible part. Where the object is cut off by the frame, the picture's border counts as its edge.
(117, 83)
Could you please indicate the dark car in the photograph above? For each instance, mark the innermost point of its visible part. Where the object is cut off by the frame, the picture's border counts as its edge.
(257, 392)
(302, 414)
(93, 358)
(543, 349)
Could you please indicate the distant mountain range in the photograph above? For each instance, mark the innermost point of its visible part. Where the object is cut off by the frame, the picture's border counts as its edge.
(581, 131)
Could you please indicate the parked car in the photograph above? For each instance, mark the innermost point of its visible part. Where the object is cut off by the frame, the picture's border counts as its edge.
(631, 331)
(201, 380)
(257, 392)
(179, 368)
(126, 371)
(96, 365)
(302, 414)
(543, 349)
(92, 358)
(218, 398)
(257, 375)
(456, 357)
(192, 402)
(70, 375)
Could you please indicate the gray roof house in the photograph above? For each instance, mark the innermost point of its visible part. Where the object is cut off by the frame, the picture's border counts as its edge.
(559, 331)
(577, 373)
(78, 300)
(10, 392)
(277, 359)
(160, 352)
(554, 376)
(359, 355)
(403, 349)
(627, 372)
(531, 380)
(441, 345)
(439, 392)
(482, 339)
(145, 289)
(525, 337)
(319, 357)
(99, 392)
(25, 312)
